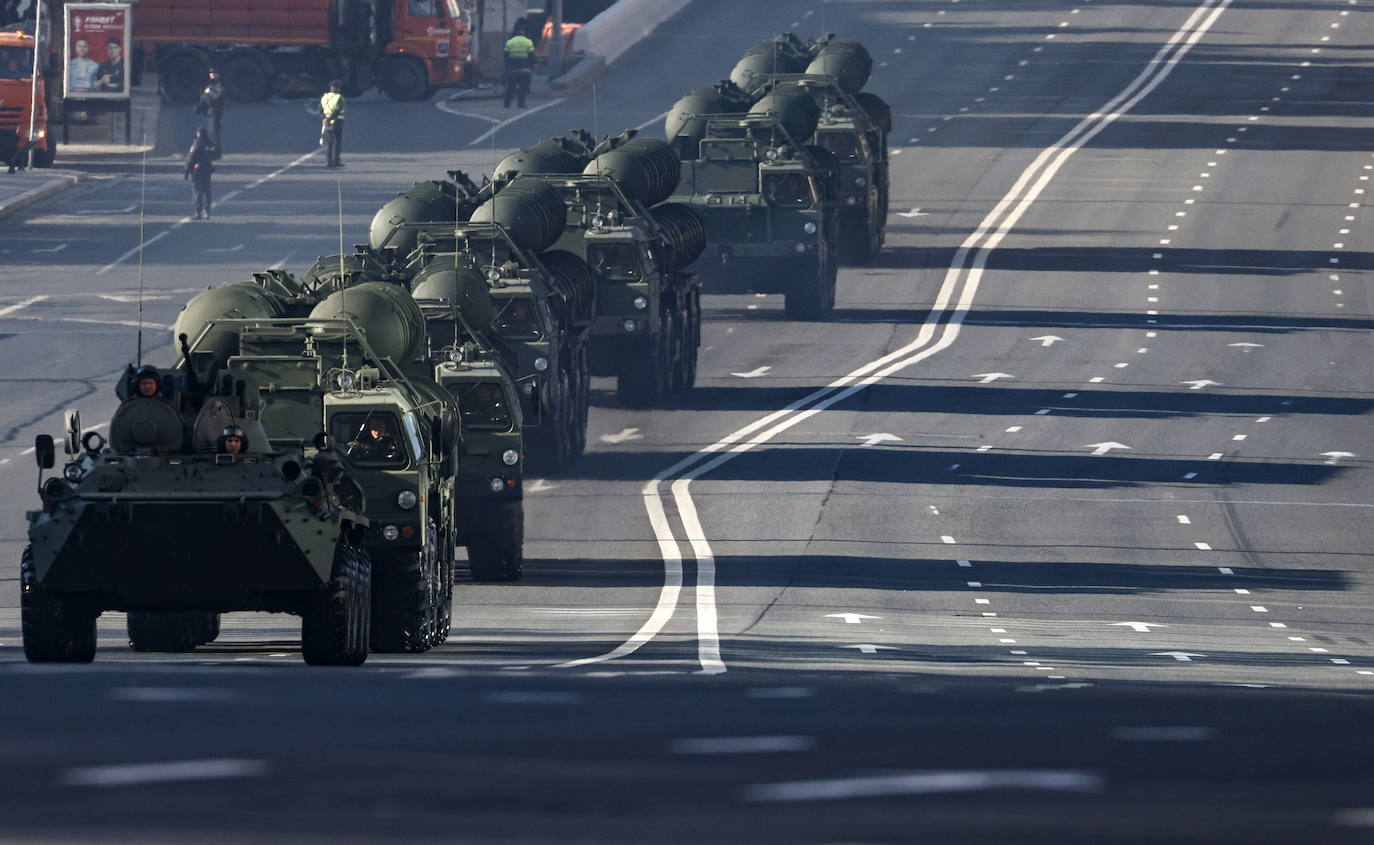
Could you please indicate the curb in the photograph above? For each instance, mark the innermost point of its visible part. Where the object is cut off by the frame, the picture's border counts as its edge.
(586, 71)
(52, 186)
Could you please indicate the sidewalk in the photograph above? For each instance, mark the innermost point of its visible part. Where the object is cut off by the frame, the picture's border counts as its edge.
(28, 186)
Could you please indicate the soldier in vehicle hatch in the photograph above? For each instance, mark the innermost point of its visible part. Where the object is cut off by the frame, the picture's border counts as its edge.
(232, 442)
(147, 383)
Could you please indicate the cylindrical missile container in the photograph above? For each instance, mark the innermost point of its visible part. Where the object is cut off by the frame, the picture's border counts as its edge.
(425, 202)
(762, 60)
(388, 318)
(878, 111)
(530, 211)
(793, 108)
(239, 301)
(684, 234)
(462, 287)
(646, 169)
(333, 272)
(573, 280)
(847, 61)
(547, 156)
(683, 121)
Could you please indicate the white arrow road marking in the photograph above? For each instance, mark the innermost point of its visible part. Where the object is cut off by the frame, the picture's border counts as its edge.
(989, 378)
(925, 783)
(1104, 448)
(1180, 656)
(742, 744)
(851, 618)
(57, 248)
(875, 439)
(132, 297)
(1335, 457)
(173, 772)
(21, 305)
(1048, 339)
(1140, 627)
(753, 373)
(1198, 384)
(1247, 345)
(624, 435)
(226, 248)
(869, 648)
(915, 212)
(954, 300)
(539, 486)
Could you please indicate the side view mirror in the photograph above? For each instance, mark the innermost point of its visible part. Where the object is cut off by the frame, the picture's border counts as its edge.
(72, 444)
(45, 451)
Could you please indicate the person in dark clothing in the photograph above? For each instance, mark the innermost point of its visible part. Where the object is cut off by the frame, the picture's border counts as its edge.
(200, 164)
(212, 106)
(519, 53)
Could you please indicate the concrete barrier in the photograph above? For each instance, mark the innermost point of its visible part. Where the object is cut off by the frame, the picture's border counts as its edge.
(605, 37)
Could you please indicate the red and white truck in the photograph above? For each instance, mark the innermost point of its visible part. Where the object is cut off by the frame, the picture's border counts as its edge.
(23, 104)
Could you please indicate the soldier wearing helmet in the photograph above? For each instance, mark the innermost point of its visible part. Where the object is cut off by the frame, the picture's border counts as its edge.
(232, 442)
(147, 383)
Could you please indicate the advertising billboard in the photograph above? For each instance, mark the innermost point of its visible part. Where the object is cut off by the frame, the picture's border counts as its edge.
(96, 63)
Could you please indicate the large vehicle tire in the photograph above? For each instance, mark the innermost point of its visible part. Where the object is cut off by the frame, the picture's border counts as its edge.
(813, 294)
(693, 338)
(176, 631)
(247, 76)
(444, 613)
(496, 549)
(581, 378)
(648, 376)
(182, 73)
(548, 443)
(404, 78)
(858, 237)
(206, 628)
(55, 629)
(405, 598)
(335, 620)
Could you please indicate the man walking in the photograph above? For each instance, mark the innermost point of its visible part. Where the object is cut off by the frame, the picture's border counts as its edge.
(332, 123)
(200, 163)
(212, 106)
(519, 67)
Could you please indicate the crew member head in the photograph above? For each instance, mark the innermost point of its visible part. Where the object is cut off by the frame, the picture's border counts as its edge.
(377, 429)
(336, 85)
(147, 382)
(233, 441)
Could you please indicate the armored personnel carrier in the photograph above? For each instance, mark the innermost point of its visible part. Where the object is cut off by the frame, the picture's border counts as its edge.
(190, 510)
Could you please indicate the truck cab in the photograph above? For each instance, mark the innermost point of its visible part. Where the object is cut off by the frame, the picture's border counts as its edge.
(17, 94)
(428, 49)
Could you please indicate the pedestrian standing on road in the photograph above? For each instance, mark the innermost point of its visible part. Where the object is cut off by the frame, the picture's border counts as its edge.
(200, 164)
(332, 123)
(211, 105)
(519, 67)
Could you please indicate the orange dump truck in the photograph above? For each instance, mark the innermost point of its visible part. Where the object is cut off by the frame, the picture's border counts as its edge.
(17, 97)
(408, 48)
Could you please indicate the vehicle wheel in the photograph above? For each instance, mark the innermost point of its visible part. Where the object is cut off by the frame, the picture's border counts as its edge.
(693, 340)
(176, 631)
(55, 629)
(45, 158)
(335, 620)
(646, 376)
(857, 238)
(404, 595)
(496, 550)
(357, 78)
(444, 613)
(581, 378)
(405, 79)
(206, 628)
(548, 443)
(183, 74)
(245, 79)
(813, 298)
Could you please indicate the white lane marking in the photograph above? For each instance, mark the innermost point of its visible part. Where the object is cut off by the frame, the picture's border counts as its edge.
(977, 585)
(989, 378)
(539, 486)
(966, 563)
(1047, 339)
(172, 694)
(915, 212)
(124, 210)
(176, 771)
(624, 435)
(925, 783)
(57, 248)
(877, 438)
(225, 248)
(21, 305)
(1198, 384)
(1139, 627)
(1215, 456)
(1104, 448)
(755, 373)
(1335, 457)
(183, 221)
(651, 121)
(851, 618)
(869, 648)
(1013, 429)
(1184, 520)
(1226, 570)
(779, 692)
(508, 121)
(1180, 656)
(444, 106)
(1259, 608)
(1179, 733)
(742, 744)
(947, 539)
(954, 300)
(1205, 547)
(530, 697)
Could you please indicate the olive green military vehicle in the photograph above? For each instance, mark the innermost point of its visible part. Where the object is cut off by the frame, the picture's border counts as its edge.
(188, 511)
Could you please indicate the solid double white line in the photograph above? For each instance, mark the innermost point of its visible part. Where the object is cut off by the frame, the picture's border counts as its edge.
(940, 329)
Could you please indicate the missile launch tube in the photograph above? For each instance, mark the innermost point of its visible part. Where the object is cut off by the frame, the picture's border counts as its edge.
(240, 301)
(386, 315)
(530, 211)
(646, 169)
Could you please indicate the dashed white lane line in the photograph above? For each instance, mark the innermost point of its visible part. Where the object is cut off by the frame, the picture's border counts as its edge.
(742, 744)
(508, 121)
(21, 305)
(167, 772)
(925, 783)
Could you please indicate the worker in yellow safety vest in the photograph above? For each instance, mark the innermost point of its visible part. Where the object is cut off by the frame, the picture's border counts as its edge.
(332, 123)
(519, 67)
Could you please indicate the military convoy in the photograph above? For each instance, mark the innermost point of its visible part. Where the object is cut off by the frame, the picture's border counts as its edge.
(323, 445)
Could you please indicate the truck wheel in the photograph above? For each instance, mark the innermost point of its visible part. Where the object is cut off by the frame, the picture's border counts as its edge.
(173, 632)
(582, 386)
(444, 614)
(693, 339)
(45, 158)
(206, 628)
(55, 629)
(857, 238)
(496, 550)
(183, 74)
(647, 376)
(246, 80)
(335, 620)
(405, 79)
(813, 295)
(404, 595)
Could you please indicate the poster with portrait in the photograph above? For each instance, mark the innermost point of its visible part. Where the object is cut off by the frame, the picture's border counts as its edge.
(96, 63)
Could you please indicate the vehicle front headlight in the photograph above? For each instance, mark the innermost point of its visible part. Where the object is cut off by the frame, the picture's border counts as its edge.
(406, 499)
(809, 228)
(510, 457)
(860, 181)
(641, 303)
(541, 363)
(496, 485)
(390, 533)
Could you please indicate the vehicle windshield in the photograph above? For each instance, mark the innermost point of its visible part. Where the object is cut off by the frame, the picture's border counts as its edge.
(789, 190)
(16, 62)
(482, 406)
(517, 320)
(369, 438)
(455, 11)
(424, 8)
(843, 145)
(616, 262)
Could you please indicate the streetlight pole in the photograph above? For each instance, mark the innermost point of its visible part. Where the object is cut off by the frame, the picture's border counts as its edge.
(33, 89)
(556, 48)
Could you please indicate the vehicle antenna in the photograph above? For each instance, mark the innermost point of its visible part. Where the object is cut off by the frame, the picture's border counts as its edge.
(142, 219)
(33, 87)
(343, 281)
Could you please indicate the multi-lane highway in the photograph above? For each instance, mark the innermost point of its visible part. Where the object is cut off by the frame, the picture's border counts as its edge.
(1058, 531)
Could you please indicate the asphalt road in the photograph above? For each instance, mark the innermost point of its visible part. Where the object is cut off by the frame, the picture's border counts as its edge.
(1057, 532)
